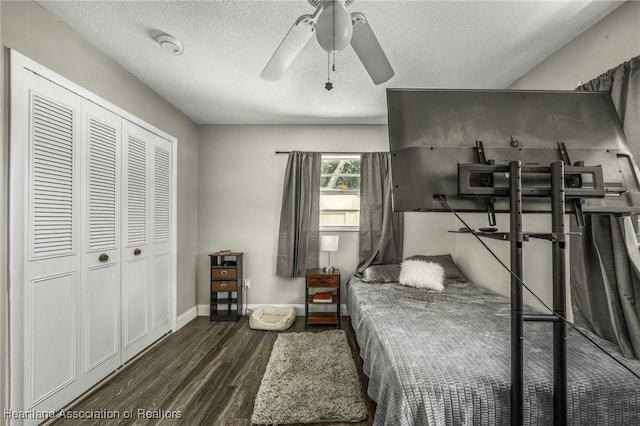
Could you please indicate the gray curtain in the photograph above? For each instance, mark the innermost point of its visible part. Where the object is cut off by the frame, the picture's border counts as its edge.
(623, 83)
(605, 260)
(381, 229)
(300, 216)
(605, 280)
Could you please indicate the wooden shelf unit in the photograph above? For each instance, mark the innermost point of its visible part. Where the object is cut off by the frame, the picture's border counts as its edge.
(316, 280)
(226, 286)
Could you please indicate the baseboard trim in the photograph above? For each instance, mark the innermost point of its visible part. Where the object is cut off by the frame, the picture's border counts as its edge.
(186, 317)
(203, 310)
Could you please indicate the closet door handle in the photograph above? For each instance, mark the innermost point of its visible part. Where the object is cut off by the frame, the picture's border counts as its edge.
(103, 257)
(137, 252)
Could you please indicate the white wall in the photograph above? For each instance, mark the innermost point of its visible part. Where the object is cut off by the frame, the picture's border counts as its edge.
(34, 32)
(607, 44)
(240, 195)
(481, 268)
(428, 233)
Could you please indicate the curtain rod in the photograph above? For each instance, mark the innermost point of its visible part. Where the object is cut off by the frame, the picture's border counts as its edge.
(330, 153)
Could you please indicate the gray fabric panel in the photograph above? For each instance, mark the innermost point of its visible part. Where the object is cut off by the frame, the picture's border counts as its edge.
(298, 239)
(605, 280)
(623, 82)
(593, 280)
(630, 288)
(443, 358)
(381, 273)
(381, 229)
(605, 275)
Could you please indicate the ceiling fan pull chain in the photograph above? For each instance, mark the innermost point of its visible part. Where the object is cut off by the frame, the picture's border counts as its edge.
(328, 85)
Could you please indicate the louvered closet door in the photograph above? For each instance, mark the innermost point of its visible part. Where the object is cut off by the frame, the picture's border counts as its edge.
(91, 237)
(146, 225)
(101, 242)
(161, 273)
(52, 250)
(136, 227)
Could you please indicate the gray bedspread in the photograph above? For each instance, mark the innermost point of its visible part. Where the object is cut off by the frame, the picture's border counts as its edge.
(443, 358)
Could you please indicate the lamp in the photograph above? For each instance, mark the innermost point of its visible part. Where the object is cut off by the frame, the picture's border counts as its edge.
(329, 243)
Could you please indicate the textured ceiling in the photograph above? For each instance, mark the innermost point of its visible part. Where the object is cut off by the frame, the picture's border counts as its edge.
(431, 44)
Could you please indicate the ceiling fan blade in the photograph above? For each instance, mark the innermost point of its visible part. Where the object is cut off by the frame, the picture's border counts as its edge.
(366, 45)
(286, 53)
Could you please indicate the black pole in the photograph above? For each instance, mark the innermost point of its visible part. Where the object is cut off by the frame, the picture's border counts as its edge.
(515, 218)
(558, 254)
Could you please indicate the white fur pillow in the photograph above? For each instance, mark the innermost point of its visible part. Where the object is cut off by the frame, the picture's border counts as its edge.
(420, 274)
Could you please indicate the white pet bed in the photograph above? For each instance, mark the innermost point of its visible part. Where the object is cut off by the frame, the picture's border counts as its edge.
(272, 318)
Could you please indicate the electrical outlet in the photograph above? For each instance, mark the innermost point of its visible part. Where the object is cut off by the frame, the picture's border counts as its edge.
(247, 283)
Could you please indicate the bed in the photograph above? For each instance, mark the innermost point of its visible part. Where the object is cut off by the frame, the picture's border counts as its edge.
(443, 358)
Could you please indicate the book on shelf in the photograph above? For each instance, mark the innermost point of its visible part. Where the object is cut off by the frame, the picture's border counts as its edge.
(224, 252)
(323, 297)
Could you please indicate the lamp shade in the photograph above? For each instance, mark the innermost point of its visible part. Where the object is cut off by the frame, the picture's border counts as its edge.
(334, 19)
(329, 242)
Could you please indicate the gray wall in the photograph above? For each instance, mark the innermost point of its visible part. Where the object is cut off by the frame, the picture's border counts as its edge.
(481, 268)
(240, 195)
(32, 31)
(610, 42)
(4, 311)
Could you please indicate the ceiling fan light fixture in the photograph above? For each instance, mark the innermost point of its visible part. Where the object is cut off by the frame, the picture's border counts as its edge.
(334, 17)
(335, 29)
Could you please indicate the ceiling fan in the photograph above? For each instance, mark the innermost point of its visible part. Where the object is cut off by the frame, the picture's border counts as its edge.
(335, 28)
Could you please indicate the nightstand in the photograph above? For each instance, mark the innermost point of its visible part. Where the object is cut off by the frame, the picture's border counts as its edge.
(316, 281)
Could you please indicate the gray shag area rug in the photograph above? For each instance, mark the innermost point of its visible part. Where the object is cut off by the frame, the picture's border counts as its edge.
(310, 378)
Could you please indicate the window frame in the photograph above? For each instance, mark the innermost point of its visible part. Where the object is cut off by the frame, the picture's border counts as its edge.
(338, 156)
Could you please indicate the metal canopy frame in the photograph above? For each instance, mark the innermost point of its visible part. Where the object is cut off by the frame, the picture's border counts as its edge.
(557, 191)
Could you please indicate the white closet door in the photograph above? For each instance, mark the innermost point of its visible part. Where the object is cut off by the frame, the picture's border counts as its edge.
(147, 224)
(136, 253)
(52, 250)
(92, 265)
(161, 265)
(101, 242)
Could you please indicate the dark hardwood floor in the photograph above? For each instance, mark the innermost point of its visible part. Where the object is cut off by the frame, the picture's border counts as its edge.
(209, 372)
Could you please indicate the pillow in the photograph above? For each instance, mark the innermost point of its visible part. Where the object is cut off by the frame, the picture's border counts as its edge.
(416, 273)
(451, 271)
(381, 273)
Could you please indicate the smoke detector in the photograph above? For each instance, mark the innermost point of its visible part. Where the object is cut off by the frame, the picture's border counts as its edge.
(170, 44)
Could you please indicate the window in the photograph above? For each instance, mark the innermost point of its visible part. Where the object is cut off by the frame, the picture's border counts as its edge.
(340, 192)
